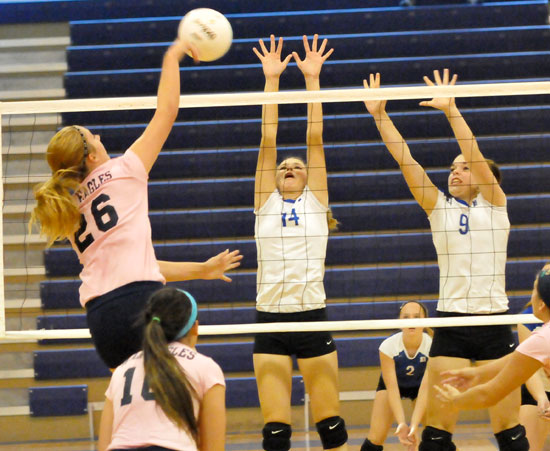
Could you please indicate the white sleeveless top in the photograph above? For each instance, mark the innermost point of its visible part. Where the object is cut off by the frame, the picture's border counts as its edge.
(291, 241)
(471, 243)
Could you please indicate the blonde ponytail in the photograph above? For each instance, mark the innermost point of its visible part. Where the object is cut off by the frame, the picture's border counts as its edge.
(56, 210)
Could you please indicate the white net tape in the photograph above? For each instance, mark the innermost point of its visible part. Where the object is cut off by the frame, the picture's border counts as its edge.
(282, 97)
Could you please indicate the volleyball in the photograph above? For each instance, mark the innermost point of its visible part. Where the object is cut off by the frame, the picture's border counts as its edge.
(209, 30)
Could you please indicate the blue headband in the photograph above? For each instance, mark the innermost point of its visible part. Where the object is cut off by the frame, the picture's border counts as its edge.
(192, 318)
(543, 285)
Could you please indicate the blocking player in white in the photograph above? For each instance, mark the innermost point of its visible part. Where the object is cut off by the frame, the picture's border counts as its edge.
(101, 206)
(292, 226)
(470, 229)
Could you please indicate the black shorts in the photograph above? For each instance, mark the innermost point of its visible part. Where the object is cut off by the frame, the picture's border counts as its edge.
(405, 392)
(527, 399)
(301, 344)
(112, 320)
(472, 342)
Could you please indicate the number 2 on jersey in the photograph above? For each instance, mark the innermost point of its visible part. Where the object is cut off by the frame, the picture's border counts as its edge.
(293, 217)
(105, 218)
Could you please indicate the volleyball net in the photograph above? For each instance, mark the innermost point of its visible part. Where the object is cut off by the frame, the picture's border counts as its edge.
(201, 200)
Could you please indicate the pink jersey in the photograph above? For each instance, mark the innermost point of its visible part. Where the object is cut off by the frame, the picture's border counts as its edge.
(537, 346)
(114, 241)
(139, 422)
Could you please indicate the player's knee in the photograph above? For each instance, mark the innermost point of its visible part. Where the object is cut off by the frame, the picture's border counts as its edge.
(513, 439)
(332, 432)
(369, 446)
(276, 436)
(434, 439)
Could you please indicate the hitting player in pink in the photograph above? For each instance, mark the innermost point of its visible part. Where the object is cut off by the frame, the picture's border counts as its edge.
(168, 396)
(100, 205)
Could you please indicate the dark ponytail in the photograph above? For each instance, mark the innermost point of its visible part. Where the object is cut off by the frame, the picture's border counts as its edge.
(167, 312)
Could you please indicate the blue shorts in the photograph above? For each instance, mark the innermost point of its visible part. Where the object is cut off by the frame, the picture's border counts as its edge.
(303, 345)
(112, 320)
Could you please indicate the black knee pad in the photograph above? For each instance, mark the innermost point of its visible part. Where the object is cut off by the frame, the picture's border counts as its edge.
(332, 432)
(513, 439)
(369, 446)
(434, 439)
(276, 436)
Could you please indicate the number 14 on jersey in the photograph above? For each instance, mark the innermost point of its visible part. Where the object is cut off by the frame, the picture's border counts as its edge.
(293, 217)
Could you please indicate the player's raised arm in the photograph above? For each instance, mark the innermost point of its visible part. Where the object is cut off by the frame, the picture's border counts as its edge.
(149, 144)
(484, 177)
(311, 69)
(422, 188)
(273, 67)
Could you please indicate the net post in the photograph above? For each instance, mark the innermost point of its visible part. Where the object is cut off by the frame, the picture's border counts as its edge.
(2, 288)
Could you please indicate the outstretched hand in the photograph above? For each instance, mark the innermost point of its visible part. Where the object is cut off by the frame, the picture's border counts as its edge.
(271, 59)
(312, 63)
(462, 379)
(446, 393)
(374, 107)
(182, 48)
(441, 103)
(216, 267)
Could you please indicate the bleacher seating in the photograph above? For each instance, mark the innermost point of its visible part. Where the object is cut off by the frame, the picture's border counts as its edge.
(201, 189)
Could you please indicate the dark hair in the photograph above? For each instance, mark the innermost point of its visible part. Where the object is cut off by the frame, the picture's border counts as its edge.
(543, 286)
(422, 306)
(166, 313)
(495, 170)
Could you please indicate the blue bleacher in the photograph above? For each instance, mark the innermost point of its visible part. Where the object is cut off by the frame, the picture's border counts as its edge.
(58, 401)
(420, 124)
(312, 20)
(73, 400)
(353, 249)
(247, 77)
(348, 46)
(414, 279)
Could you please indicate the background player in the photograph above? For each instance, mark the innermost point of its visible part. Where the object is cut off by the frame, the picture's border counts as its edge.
(168, 396)
(470, 231)
(100, 204)
(292, 225)
(403, 359)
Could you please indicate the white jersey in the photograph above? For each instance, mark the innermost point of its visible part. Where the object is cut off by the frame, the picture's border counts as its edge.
(408, 369)
(291, 242)
(471, 243)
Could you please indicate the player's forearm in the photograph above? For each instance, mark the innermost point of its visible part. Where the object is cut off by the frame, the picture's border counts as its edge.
(314, 114)
(168, 94)
(180, 271)
(421, 403)
(396, 407)
(464, 135)
(270, 114)
(478, 397)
